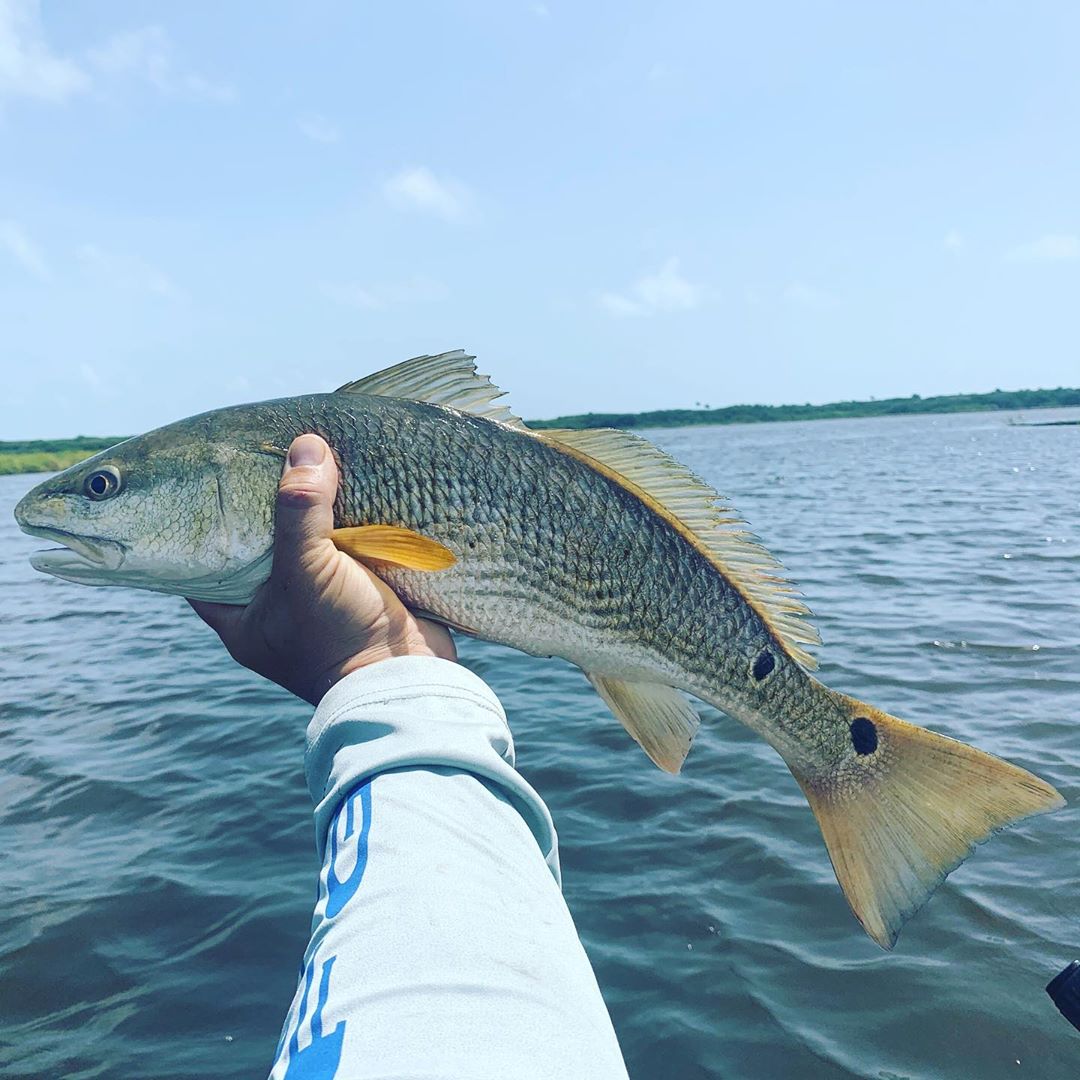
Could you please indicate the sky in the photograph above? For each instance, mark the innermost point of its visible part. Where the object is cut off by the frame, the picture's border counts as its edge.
(615, 206)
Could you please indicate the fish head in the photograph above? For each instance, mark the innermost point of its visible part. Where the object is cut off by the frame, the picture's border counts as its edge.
(178, 510)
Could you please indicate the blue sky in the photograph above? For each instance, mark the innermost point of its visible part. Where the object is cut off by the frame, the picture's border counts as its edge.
(615, 205)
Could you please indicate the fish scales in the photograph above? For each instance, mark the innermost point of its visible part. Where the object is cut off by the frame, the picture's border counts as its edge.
(595, 572)
(537, 532)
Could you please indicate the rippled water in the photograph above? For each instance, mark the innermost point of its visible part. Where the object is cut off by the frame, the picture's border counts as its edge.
(158, 868)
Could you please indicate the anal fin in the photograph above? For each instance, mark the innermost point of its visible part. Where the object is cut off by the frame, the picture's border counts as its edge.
(661, 720)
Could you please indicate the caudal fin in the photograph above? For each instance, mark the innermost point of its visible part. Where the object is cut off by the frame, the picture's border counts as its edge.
(906, 808)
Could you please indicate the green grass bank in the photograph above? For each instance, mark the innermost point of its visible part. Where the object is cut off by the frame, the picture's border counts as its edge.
(49, 455)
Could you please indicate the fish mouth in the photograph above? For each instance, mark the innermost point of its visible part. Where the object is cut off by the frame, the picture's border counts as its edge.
(79, 554)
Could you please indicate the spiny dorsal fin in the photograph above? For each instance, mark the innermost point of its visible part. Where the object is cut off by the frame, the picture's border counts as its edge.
(707, 521)
(449, 379)
(660, 719)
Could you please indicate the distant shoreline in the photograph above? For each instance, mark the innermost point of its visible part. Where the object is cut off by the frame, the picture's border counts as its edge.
(50, 455)
(994, 401)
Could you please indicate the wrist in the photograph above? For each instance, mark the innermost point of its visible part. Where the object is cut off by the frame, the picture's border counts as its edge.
(424, 639)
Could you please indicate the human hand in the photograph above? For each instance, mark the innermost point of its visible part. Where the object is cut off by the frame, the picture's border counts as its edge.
(321, 614)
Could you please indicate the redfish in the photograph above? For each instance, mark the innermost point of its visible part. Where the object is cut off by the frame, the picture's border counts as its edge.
(594, 546)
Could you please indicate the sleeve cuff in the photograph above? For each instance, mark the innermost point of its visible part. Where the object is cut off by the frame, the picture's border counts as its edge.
(415, 712)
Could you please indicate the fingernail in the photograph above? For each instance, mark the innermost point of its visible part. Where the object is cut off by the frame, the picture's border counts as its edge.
(307, 450)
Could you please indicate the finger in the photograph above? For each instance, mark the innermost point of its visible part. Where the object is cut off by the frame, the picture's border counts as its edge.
(221, 618)
(304, 518)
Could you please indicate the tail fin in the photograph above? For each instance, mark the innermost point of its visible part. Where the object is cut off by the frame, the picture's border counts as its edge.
(906, 809)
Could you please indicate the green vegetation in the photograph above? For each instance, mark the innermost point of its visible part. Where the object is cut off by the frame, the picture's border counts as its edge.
(53, 454)
(48, 455)
(757, 414)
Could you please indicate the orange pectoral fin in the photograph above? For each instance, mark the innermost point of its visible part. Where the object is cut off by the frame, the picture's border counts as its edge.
(390, 544)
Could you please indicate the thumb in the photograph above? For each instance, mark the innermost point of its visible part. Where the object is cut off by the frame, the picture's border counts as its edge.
(304, 517)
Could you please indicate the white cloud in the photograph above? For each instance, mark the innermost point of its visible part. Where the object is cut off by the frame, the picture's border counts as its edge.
(23, 250)
(799, 294)
(1053, 247)
(418, 188)
(666, 290)
(416, 290)
(127, 272)
(27, 66)
(619, 305)
(954, 240)
(318, 129)
(147, 54)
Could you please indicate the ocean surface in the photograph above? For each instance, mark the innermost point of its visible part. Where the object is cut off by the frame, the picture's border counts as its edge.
(157, 864)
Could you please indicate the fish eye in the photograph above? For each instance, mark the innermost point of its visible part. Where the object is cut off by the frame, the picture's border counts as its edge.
(102, 483)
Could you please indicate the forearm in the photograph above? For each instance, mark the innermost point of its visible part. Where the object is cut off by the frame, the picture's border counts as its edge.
(441, 946)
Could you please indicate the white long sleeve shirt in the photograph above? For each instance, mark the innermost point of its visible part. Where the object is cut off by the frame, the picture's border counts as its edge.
(441, 947)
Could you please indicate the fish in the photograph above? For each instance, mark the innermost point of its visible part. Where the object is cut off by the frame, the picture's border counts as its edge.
(591, 545)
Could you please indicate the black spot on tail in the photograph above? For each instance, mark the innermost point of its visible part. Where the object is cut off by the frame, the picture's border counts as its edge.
(763, 664)
(863, 735)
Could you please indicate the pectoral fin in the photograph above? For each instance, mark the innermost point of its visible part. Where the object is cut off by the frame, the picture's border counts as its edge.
(390, 544)
(659, 717)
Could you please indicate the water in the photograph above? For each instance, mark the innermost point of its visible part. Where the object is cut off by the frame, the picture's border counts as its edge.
(158, 864)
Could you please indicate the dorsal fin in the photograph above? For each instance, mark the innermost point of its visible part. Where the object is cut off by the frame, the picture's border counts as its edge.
(448, 379)
(703, 517)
